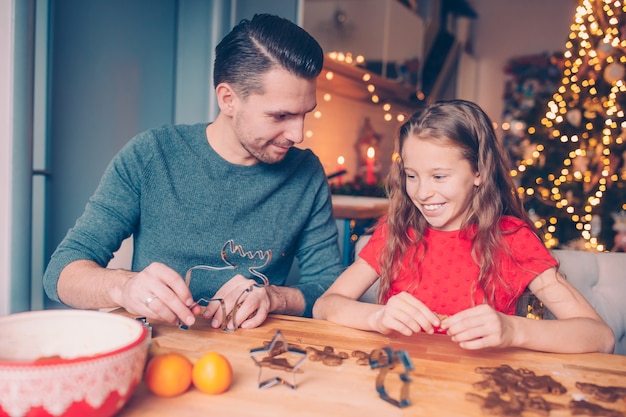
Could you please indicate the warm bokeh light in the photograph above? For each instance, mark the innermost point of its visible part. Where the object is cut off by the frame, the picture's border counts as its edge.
(369, 86)
(584, 118)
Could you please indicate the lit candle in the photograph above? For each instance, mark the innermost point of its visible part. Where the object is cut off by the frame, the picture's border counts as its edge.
(340, 167)
(371, 153)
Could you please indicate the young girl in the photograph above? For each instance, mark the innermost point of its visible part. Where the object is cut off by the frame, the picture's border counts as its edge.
(457, 250)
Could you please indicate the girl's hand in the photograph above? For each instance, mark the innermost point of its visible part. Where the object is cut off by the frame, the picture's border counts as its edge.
(480, 327)
(405, 314)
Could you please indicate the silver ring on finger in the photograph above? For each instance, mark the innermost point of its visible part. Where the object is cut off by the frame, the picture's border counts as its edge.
(150, 299)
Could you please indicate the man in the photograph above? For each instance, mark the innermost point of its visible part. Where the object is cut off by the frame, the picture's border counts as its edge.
(227, 205)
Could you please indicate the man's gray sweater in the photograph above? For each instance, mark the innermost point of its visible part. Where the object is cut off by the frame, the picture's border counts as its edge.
(186, 206)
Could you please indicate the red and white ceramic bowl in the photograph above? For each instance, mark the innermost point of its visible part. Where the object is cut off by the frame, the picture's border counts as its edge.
(69, 363)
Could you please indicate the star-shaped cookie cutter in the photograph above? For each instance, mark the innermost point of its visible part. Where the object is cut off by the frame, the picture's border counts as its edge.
(273, 359)
(386, 359)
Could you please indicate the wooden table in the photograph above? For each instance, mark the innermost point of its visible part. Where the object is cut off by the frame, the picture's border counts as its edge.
(443, 374)
(348, 209)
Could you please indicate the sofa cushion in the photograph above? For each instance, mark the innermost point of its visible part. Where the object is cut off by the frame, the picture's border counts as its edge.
(601, 279)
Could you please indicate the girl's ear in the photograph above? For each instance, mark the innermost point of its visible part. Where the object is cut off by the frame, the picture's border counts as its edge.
(226, 97)
(477, 179)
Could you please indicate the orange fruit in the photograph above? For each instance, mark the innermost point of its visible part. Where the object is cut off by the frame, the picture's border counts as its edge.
(168, 374)
(212, 374)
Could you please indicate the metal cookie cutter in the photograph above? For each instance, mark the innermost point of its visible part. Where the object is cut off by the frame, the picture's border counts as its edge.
(386, 359)
(147, 325)
(272, 357)
(260, 280)
(205, 302)
(225, 316)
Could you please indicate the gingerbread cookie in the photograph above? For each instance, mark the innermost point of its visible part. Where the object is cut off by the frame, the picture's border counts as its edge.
(279, 348)
(582, 407)
(543, 384)
(511, 391)
(442, 317)
(278, 363)
(601, 393)
(504, 379)
(362, 358)
(494, 404)
(327, 356)
(539, 405)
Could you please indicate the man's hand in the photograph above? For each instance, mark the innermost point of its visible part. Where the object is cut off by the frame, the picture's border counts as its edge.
(159, 293)
(247, 304)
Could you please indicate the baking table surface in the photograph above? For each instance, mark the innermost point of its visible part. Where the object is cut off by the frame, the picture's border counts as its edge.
(443, 374)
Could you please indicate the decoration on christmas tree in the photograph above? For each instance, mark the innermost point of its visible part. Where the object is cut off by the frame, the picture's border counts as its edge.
(569, 149)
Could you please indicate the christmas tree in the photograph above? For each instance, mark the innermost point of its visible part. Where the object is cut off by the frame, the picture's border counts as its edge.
(566, 131)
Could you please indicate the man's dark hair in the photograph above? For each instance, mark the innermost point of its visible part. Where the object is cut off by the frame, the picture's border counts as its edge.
(261, 44)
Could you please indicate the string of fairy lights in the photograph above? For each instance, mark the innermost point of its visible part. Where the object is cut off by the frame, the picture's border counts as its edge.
(389, 114)
(596, 45)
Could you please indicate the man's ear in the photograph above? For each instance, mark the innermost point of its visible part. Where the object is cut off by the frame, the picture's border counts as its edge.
(226, 97)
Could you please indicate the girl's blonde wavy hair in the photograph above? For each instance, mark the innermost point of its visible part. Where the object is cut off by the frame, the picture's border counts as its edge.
(464, 125)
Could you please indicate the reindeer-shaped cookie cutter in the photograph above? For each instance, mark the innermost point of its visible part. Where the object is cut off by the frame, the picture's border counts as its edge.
(260, 279)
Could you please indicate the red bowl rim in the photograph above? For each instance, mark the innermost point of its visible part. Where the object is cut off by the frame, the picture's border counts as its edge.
(5, 363)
